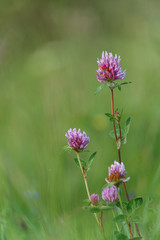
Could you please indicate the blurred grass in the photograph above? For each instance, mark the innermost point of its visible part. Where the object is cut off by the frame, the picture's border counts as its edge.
(48, 52)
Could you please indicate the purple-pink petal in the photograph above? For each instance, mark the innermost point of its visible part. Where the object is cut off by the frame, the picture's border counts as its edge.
(109, 68)
(110, 194)
(95, 198)
(77, 140)
(117, 168)
(116, 172)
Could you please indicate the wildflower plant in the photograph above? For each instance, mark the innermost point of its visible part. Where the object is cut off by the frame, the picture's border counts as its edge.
(109, 74)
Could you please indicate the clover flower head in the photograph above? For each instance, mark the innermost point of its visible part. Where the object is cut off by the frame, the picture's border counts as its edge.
(110, 194)
(95, 198)
(116, 172)
(77, 140)
(109, 68)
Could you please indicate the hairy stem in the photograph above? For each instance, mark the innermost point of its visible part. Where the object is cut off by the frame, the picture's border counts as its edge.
(119, 152)
(112, 104)
(84, 176)
(120, 200)
(101, 224)
(99, 220)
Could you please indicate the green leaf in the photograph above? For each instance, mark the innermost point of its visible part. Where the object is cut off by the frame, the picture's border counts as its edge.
(119, 88)
(119, 218)
(111, 84)
(122, 133)
(134, 204)
(120, 84)
(126, 129)
(124, 83)
(106, 208)
(87, 200)
(84, 164)
(99, 88)
(92, 157)
(3, 237)
(112, 135)
(92, 209)
(125, 139)
(90, 160)
(123, 203)
(121, 236)
(136, 238)
(112, 204)
(112, 183)
(105, 185)
(67, 148)
(115, 233)
(127, 125)
(136, 219)
(110, 116)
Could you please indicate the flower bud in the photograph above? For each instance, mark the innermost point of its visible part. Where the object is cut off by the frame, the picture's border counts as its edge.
(95, 198)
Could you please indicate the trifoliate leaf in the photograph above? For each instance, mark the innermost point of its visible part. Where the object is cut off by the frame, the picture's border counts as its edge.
(121, 236)
(92, 209)
(106, 208)
(136, 219)
(134, 204)
(119, 218)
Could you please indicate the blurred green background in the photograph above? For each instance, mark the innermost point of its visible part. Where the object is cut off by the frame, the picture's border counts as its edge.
(48, 54)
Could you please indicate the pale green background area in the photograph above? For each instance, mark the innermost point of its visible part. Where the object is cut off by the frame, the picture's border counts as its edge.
(48, 54)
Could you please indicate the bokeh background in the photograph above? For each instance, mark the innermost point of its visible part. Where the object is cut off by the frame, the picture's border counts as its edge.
(48, 54)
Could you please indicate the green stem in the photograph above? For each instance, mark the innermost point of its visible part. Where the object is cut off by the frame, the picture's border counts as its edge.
(88, 193)
(84, 176)
(120, 200)
(115, 222)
